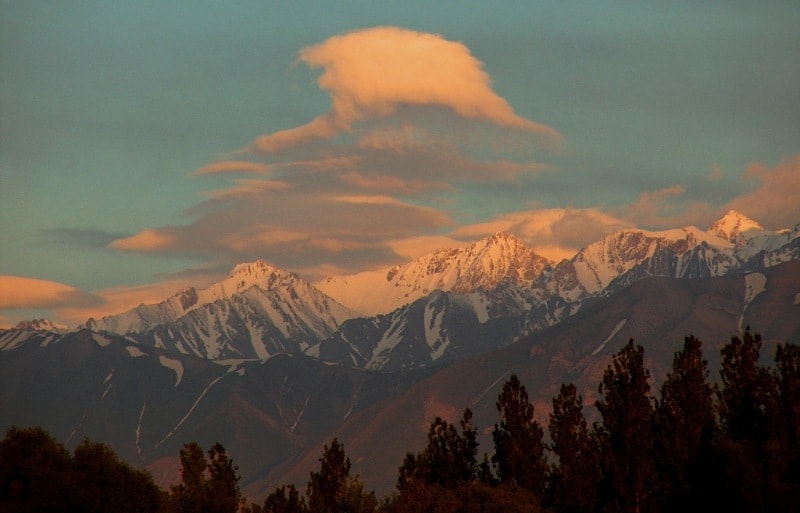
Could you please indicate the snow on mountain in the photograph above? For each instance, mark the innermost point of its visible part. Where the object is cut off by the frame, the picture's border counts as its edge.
(619, 259)
(440, 327)
(42, 325)
(483, 264)
(257, 311)
(734, 226)
(432, 309)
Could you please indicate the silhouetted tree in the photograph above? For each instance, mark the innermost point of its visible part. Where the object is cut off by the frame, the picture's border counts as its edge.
(518, 449)
(747, 396)
(206, 486)
(332, 489)
(285, 499)
(105, 483)
(626, 438)
(684, 427)
(448, 457)
(574, 477)
(35, 472)
(783, 448)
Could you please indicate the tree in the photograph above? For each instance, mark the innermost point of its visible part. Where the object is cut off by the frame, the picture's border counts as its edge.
(35, 472)
(285, 499)
(573, 479)
(519, 452)
(783, 449)
(626, 438)
(748, 390)
(684, 426)
(748, 403)
(105, 483)
(448, 457)
(206, 486)
(332, 489)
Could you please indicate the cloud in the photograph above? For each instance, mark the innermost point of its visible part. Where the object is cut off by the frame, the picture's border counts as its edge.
(245, 187)
(148, 240)
(370, 73)
(775, 199)
(413, 119)
(18, 292)
(82, 237)
(555, 233)
(234, 166)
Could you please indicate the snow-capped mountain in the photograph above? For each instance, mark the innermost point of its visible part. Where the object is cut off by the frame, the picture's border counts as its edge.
(732, 243)
(441, 306)
(485, 264)
(42, 325)
(438, 328)
(257, 311)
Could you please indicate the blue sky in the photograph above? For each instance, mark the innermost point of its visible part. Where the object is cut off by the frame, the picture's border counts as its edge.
(148, 145)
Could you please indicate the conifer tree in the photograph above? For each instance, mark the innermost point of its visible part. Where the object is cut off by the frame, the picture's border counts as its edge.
(626, 438)
(519, 451)
(573, 479)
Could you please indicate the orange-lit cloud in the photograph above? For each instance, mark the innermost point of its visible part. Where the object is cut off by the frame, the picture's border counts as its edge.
(246, 187)
(369, 73)
(555, 233)
(18, 292)
(234, 166)
(147, 240)
(775, 201)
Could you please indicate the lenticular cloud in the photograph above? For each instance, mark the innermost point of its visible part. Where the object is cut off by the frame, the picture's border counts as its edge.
(369, 73)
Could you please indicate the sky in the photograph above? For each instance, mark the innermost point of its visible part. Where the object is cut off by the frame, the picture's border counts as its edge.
(146, 146)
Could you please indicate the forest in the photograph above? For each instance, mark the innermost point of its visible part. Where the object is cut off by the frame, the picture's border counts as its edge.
(731, 445)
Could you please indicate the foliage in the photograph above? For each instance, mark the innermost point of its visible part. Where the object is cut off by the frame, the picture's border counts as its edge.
(626, 436)
(39, 474)
(573, 480)
(207, 486)
(518, 448)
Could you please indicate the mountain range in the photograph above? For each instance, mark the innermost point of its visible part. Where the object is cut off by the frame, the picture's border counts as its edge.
(273, 365)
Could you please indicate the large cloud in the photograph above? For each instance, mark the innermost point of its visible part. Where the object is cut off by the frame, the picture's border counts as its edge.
(19, 292)
(413, 119)
(369, 73)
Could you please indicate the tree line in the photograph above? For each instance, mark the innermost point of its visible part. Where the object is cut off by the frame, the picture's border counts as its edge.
(695, 446)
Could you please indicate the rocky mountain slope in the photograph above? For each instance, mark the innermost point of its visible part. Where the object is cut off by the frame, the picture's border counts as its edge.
(257, 311)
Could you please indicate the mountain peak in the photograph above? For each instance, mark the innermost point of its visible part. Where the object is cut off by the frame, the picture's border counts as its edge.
(41, 325)
(733, 225)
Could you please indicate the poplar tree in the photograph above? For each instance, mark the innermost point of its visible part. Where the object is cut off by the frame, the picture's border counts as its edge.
(684, 426)
(626, 436)
(573, 478)
(518, 448)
